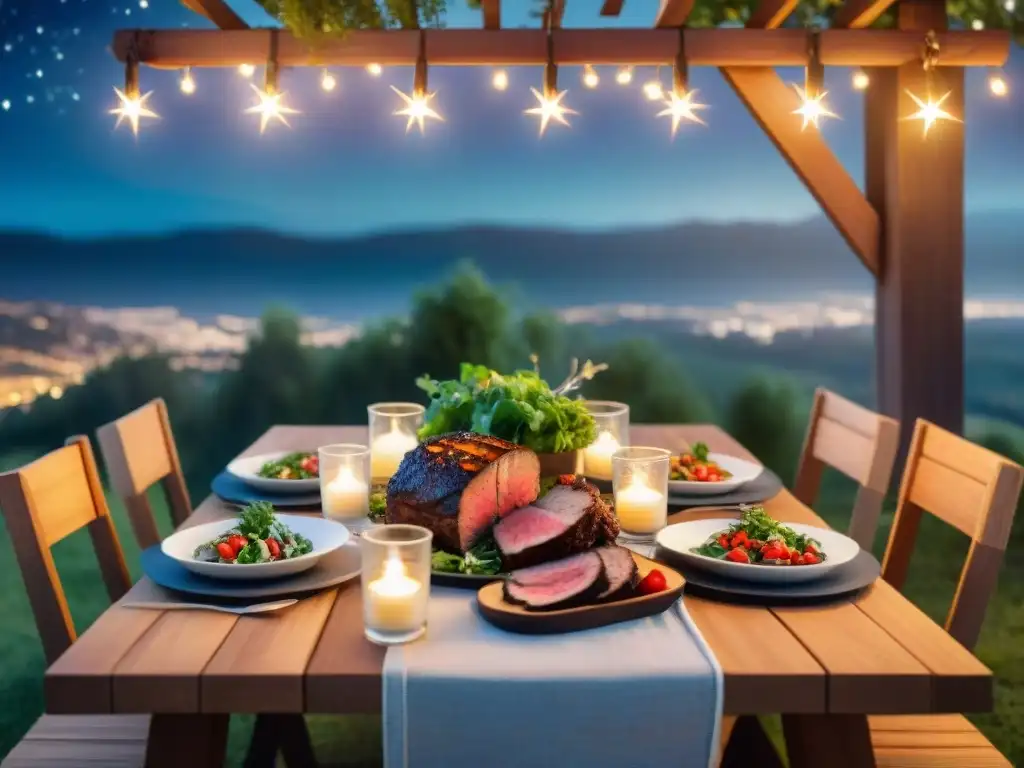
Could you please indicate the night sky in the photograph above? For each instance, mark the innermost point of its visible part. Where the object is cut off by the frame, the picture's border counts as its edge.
(348, 166)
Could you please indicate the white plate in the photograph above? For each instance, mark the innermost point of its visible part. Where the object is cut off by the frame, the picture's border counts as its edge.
(326, 536)
(742, 471)
(682, 537)
(247, 470)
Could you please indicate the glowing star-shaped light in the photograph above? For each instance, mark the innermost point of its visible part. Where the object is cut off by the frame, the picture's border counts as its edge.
(812, 108)
(270, 107)
(930, 112)
(417, 109)
(682, 107)
(132, 108)
(550, 108)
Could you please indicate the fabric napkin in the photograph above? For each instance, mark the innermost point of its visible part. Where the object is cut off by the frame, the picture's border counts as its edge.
(641, 694)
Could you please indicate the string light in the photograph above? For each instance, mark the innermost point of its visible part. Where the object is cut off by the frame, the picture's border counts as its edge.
(550, 105)
(860, 80)
(652, 88)
(929, 109)
(374, 69)
(271, 106)
(812, 96)
(328, 82)
(590, 78)
(133, 104)
(499, 80)
(997, 84)
(187, 82)
(624, 76)
(417, 106)
(246, 70)
(680, 105)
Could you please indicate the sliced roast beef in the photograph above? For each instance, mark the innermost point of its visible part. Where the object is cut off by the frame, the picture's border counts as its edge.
(569, 518)
(572, 581)
(458, 484)
(620, 570)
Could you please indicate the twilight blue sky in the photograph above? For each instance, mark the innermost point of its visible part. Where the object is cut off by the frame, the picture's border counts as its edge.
(348, 166)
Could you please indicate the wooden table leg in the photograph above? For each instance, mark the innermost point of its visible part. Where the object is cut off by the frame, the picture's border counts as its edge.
(193, 740)
(286, 734)
(745, 744)
(844, 741)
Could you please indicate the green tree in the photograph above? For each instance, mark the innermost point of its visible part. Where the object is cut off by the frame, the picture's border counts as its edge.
(762, 417)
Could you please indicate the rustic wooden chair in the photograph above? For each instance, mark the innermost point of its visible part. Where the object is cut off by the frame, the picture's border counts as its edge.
(975, 491)
(43, 503)
(139, 451)
(860, 444)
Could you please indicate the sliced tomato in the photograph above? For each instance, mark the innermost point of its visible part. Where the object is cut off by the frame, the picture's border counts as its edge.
(738, 555)
(274, 547)
(810, 558)
(225, 551)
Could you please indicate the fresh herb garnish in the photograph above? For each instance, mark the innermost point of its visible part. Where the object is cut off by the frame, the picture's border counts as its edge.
(378, 505)
(483, 558)
(700, 451)
(255, 520)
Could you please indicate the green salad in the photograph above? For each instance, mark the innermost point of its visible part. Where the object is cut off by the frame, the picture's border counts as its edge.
(300, 465)
(520, 407)
(759, 539)
(258, 537)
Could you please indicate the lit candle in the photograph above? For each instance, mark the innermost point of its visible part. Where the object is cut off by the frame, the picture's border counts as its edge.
(346, 496)
(387, 451)
(597, 457)
(393, 601)
(640, 508)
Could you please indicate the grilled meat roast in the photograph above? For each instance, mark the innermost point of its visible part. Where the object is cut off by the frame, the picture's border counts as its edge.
(459, 484)
(603, 574)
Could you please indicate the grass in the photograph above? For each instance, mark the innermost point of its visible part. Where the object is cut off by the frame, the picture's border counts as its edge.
(355, 741)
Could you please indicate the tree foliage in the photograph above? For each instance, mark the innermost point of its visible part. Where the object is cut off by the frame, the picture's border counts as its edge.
(762, 417)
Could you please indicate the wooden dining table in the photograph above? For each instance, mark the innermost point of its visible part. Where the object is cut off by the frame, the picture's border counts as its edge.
(825, 668)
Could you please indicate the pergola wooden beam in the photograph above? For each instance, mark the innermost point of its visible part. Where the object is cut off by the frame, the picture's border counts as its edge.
(218, 12)
(856, 14)
(553, 15)
(492, 13)
(673, 13)
(611, 7)
(770, 14)
(174, 49)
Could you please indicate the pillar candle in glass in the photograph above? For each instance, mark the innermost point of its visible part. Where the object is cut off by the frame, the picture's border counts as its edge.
(396, 582)
(393, 428)
(612, 422)
(640, 488)
(345, 483)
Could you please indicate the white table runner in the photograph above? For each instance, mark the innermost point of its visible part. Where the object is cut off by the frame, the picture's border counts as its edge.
(642, 694)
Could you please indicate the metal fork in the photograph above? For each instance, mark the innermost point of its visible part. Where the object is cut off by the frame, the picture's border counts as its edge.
(239, 610)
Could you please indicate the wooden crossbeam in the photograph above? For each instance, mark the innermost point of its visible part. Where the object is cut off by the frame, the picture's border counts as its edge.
(772, 103)
(218, 12)
(673, 13)
(611, 7)
(770, 14)
(492, 13)
(174, 49)
(855, 14)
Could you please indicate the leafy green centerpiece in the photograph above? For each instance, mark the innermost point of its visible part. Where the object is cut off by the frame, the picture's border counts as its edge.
(520, 407)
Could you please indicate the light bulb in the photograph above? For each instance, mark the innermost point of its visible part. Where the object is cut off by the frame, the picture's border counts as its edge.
(590, 78)
(653, 90)
(327, 81)
(246, 70)
(997, 84)
(499, 80)
(374, 69)
(624, 76)
(860, 80)
(187, 84)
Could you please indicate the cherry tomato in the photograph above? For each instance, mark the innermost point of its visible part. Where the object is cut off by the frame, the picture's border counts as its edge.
(225, 551)
(723, 541)
(274, 547)
(701, 473)
(237, 542)
(714, 477)
(686, 459)
(755, 545)
(775, 550)
(810, 548)
(810, 558)
(738, 539)
(738, 556)
(652, 582)
(795, 558)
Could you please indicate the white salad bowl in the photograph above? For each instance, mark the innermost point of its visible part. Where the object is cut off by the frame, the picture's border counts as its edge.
(325, 535)
(247, 470)
(682, 538)
(742, 472)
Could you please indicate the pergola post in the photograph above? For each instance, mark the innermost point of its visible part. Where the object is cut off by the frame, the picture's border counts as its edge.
(917, 187)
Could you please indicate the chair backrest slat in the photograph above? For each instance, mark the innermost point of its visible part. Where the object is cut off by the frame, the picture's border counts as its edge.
(858, 443)
(139, 451)
(970, 488)
(43, 503)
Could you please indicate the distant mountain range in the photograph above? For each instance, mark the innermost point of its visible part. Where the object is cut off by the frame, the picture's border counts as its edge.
(205, 273)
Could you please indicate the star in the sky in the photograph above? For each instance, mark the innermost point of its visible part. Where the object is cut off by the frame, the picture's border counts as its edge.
(550, 108)
(682, 107)
(930, 112)
(417, 109)
(812, 108)
(270, 107)
(132, 109)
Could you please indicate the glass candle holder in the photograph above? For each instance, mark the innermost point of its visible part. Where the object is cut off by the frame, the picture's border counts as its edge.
(396, 582)
(393, 428)
(640, 488)
(345, 483)
(612, 421)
